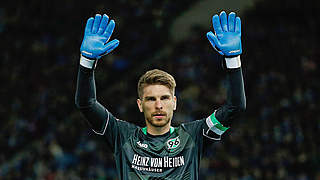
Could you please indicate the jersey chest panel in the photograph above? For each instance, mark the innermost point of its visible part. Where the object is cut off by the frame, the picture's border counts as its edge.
(172, 157)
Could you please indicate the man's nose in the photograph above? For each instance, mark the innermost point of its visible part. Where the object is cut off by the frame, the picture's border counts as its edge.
(158, 104)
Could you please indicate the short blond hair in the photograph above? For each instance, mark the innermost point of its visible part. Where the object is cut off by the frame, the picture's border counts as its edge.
(153, 77)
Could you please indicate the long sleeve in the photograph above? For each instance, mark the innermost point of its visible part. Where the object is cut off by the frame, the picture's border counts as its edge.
(86, 101)
(99, 118)
(236, 100)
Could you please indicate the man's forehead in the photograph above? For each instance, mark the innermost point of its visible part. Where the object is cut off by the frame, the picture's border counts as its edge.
(156, 90)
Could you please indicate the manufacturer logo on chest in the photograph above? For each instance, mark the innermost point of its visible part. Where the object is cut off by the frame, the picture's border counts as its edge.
(142, 145)
(173, 143)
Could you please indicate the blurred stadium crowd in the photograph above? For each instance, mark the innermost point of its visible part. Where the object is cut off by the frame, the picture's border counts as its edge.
(43, 136)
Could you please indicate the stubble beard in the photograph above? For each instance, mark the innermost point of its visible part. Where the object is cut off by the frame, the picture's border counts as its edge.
(158, 123)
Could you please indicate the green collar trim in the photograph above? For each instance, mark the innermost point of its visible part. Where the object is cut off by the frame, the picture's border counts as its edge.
(144, 130)
(171, 129)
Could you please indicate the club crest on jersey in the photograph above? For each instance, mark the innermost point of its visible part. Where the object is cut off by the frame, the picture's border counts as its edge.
(142, 145)
(173, 143)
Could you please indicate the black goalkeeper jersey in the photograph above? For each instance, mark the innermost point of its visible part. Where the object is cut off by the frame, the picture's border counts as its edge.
(174, 155)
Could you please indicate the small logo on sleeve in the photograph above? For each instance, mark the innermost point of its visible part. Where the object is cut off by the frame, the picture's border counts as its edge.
(173, 143)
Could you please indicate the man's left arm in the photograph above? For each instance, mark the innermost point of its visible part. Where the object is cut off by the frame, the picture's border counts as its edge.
(227, 42)
(236, 100)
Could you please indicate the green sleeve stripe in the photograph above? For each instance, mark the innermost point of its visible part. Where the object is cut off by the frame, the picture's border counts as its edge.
(218, 130)
(215, 125)
(221, 127)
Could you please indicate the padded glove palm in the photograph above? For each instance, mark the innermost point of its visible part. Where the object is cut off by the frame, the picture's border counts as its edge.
(97, 33)
(227, 37)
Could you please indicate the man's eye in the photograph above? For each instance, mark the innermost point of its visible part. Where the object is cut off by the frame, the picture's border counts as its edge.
(165, 97)
(150, 99)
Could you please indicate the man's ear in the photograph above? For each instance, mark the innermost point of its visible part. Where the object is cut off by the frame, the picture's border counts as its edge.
(175, 102)
(139, 103)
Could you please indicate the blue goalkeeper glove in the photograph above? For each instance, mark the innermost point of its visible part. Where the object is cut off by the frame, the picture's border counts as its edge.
(227, 37)
(94, 45)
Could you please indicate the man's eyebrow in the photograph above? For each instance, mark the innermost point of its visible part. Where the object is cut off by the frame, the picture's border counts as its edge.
(165, 96)
(149, 97)
(152, 97)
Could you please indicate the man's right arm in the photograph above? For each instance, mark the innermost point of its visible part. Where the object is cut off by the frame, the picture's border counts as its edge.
(94, 45)
(86, 101)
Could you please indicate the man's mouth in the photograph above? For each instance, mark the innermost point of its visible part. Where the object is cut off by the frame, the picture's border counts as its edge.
(159, 115)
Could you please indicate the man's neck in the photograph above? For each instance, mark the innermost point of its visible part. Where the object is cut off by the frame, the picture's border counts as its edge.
(158, 130)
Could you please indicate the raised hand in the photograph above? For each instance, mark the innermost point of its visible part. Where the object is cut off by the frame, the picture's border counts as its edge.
(227, 37)
(96, 36)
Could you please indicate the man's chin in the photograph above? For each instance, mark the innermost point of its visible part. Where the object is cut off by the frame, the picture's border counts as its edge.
(159, 122)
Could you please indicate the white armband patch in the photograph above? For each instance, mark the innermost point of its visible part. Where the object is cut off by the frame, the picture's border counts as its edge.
(215, 126)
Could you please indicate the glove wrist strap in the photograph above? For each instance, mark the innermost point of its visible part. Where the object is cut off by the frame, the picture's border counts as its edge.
(88, 63)
(233, 62)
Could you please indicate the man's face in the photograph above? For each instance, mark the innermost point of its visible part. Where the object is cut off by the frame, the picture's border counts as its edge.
(157, 104)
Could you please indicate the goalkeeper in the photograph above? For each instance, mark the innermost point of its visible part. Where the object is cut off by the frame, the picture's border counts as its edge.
(159, 151)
